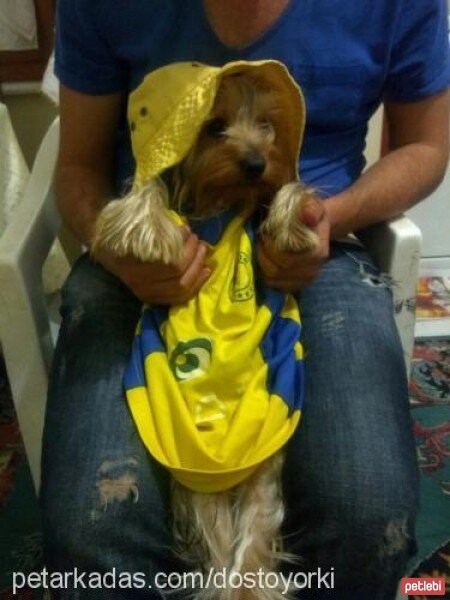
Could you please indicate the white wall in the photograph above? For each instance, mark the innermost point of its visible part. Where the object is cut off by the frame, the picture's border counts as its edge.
(433, 217)
(373, 140)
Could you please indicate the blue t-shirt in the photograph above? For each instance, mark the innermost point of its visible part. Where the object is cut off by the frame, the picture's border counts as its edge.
(347, 56)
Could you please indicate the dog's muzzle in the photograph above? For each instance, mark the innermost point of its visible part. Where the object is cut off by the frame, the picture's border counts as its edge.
(253, 166)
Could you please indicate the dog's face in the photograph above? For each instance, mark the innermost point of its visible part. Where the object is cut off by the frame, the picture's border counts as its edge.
(239, 154)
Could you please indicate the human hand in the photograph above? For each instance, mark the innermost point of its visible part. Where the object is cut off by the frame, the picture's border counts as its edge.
(158, 283)
(289, 271)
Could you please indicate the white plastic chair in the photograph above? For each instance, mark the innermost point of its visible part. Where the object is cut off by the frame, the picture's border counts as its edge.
(25, 331)
(396, 246)
(25, 334)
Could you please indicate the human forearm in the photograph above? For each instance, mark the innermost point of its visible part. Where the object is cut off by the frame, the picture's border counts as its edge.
(395, 183)
(419, 133)
(85, 167)
(81, 193)
(88, 129)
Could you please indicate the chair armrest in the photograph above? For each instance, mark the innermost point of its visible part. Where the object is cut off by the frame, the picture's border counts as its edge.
(396, 246)
(392, 241)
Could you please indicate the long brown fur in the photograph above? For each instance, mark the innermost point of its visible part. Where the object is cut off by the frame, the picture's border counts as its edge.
(239, 529)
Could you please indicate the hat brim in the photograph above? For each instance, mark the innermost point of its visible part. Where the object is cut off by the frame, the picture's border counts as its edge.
(168, 110)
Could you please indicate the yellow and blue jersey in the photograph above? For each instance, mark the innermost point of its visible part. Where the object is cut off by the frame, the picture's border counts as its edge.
(216, 385)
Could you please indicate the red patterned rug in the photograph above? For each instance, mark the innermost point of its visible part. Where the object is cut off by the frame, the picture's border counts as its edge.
(430, 405)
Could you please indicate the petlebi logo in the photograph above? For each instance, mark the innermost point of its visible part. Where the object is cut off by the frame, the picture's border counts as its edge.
(191, 359)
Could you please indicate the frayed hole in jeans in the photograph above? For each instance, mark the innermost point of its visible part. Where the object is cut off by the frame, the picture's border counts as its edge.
(395, 538)
(369, 274)
(332, 322)
(117, 484)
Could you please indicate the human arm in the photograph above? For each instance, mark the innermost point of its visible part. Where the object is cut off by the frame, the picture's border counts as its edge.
(417, 70)
(83, 184)
(413, 168)
(415, 165)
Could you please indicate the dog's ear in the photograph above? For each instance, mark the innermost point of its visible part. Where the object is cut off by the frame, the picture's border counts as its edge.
(180, 193)
(168, 177)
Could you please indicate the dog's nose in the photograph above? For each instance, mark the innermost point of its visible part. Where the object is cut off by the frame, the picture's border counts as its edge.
(253, 166)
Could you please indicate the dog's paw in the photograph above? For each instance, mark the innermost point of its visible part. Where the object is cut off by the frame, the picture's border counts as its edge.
(161, 242)
(283, 222)
(138, 228)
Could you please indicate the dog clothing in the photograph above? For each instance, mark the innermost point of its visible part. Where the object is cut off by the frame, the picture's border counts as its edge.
(215, 386)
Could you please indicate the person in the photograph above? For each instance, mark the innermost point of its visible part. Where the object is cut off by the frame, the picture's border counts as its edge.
(350, 475)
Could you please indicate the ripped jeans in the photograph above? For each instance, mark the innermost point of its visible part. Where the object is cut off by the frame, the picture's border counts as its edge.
(350, 474)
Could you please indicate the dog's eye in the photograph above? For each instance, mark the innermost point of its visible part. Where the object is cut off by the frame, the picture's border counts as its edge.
(265, 126)
(216, 127)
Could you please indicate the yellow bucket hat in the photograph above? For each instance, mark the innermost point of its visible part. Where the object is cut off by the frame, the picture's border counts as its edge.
(167, 110)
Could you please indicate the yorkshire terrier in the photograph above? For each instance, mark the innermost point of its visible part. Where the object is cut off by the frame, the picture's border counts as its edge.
(239, 156)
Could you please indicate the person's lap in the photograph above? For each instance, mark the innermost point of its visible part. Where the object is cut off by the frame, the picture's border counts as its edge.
(350, 475)
(105, 502)
(350, 472)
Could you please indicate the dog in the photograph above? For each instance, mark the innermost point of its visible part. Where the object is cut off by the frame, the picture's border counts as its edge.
(238, 158)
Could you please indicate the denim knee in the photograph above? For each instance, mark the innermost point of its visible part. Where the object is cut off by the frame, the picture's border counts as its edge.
(379, 532)
(91, 287)
(66, 534)
(366, 543)
(118, 518)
